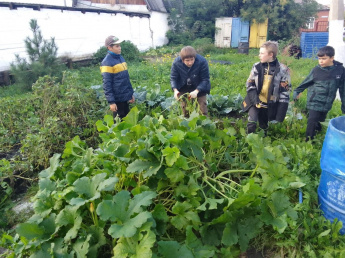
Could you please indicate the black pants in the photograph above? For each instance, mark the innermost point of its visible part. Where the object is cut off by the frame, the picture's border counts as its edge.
(255, 115)
(275, 111)
(313, 126)
(122, 109)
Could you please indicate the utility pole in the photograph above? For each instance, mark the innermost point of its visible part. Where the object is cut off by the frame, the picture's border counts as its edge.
(336, 28)
(336, 25)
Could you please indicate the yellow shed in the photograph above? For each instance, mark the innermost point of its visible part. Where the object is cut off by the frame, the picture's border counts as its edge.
(258, 34)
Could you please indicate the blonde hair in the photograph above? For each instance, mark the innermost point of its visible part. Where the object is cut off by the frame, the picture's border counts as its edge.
(271, 47)
(187, 52)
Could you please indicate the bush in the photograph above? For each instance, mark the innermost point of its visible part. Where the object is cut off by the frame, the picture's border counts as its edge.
(178, 38)
(129, 51)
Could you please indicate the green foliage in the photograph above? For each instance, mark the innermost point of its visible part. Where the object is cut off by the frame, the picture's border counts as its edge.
(5, 189)
(53, 113)
(153, 178)
(196, 18)
(284, 17)
(162, 185)
(42, 59)
(129, 51)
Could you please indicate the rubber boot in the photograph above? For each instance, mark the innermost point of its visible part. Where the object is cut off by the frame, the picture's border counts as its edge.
(251, 127)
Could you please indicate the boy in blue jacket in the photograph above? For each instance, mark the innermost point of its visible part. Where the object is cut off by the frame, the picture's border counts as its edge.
(117, 86)
(323, 83)
(190, 74)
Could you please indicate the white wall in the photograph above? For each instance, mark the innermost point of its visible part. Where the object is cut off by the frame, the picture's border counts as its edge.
(76, 34)
(46, 2)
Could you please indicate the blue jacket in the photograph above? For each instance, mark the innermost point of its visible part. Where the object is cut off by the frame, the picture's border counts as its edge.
(116, 84)
(198, 74)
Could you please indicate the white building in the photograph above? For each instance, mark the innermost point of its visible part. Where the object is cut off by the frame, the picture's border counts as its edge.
(80, 27)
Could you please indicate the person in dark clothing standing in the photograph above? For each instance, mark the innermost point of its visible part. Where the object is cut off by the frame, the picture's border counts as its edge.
(117, 86)
(190, 74)
(323, 83)
(268, 89)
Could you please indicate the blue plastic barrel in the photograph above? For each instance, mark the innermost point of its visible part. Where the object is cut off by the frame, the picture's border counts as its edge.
(331, 190)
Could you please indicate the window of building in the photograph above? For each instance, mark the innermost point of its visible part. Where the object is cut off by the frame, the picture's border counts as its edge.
(310, 23)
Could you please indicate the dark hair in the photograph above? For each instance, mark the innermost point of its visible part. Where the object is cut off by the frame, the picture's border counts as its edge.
(187, 52)
(326, 51)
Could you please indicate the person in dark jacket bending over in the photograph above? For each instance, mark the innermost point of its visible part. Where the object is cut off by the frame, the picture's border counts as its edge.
(116, 83)
(190, 74)
(323, 83)
(268, 89)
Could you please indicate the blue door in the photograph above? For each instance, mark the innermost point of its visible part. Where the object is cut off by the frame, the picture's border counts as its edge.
(239, 31)
(244, 36)
(235, 31)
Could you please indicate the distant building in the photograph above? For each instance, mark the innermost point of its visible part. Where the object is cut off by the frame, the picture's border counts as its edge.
(318, 24)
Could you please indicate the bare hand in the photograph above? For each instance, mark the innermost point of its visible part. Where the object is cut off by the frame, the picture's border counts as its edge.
(132, 100)
(176, 94)
(113, 107)
(194, 94)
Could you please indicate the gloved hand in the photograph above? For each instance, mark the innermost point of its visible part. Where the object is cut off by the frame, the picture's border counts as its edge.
(194, 94)
(176, 94)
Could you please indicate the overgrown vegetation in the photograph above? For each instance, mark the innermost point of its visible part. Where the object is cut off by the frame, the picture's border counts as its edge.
(158, 184)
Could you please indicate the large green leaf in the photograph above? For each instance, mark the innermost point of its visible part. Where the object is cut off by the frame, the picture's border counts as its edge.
(41, 231)
(195, 244)
(96, 241)
(177, 136)
(171, 155)
(139, 166)
(30, 230)
(54, 164)
(172, 249)
(230, 236)
(132, 117)
(247, 230)
(185, 215)
(81, 247)
(88, 187)
(174, 174)
(127, 213)
(130, 226)
(70, 216)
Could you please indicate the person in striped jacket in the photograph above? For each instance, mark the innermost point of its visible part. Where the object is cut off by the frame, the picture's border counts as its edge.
(117, 86)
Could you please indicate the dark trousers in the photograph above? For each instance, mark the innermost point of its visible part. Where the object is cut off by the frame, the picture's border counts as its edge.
(313, 126)
(275, 111)
(122, 109)
(254, 115)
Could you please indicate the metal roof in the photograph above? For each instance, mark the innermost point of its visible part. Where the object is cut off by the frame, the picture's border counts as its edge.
(156, 5)
(38, 7)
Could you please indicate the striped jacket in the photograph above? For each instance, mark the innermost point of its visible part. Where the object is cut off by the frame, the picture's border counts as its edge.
(116, 83)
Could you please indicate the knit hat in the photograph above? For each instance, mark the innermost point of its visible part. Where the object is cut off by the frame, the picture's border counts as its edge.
(112, 40)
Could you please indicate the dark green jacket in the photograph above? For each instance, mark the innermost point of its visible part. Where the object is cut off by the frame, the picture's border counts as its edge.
(323, 84)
